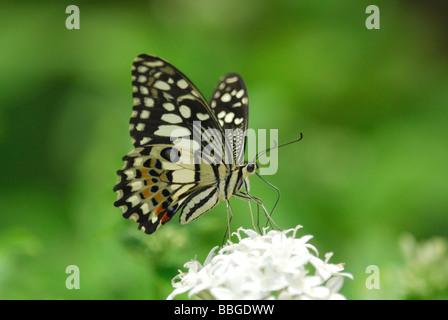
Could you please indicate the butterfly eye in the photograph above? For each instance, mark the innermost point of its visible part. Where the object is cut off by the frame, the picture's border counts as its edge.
(250, 167)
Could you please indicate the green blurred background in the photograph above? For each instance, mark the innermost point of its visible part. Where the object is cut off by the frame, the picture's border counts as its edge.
(369, 179)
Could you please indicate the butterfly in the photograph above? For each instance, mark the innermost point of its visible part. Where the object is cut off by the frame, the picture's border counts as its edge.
(189, 153)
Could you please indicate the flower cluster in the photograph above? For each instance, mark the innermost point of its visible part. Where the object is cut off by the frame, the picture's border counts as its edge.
(273, 265)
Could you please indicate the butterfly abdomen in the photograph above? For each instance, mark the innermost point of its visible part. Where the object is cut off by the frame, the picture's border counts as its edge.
(233, 183)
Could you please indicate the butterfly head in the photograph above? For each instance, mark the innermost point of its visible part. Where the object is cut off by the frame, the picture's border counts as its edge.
(249, 169)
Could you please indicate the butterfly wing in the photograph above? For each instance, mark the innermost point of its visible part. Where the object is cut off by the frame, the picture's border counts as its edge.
(166, 104)
(153, 184)
(230, 104)
(156, 180)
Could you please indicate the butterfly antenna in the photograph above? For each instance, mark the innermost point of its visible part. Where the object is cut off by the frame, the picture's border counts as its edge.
(265, 151)
(276, 147)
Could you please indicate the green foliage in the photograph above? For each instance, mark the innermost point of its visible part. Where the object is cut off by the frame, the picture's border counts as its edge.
(372, 105)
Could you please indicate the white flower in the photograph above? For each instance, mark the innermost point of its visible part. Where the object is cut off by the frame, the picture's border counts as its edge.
(273, 265)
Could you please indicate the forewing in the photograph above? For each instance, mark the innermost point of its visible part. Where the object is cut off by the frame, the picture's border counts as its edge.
(230, 104)
(166, 105)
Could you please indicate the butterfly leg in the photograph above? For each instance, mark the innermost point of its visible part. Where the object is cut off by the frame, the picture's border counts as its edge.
(247, 199)
(259, 202)
(229, 218)
(268, 215)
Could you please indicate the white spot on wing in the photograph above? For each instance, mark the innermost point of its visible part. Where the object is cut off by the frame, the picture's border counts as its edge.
(136, 185)
(133, 200)
(130, 174)
(238, 121)
(138, 161)
(226, 97)
(142, 69)
(171, 118)
(145, 208)
(222, 114)
(182, 84)
(145, 140)
(232, 80)
(202, 116)
(162, 85)
(144, 90)
(149, 102)
(144, 114)
(172, 130)
(185, 111)
(229, 117)
(167, 96)
(156, 63)
(168, 106)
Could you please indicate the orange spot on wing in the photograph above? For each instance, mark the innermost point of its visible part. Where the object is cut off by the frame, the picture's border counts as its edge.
(159, 197)
(158, 210)
(146, 193)
(165, 218)
(148, 182)
(145, 173)
(165, 177)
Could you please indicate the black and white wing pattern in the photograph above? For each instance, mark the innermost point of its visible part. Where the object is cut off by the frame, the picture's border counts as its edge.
(166, 103)
(173, 129)
(230, 103)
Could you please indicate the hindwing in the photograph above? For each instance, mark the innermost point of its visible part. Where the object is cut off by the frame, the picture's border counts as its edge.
(156, 180)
